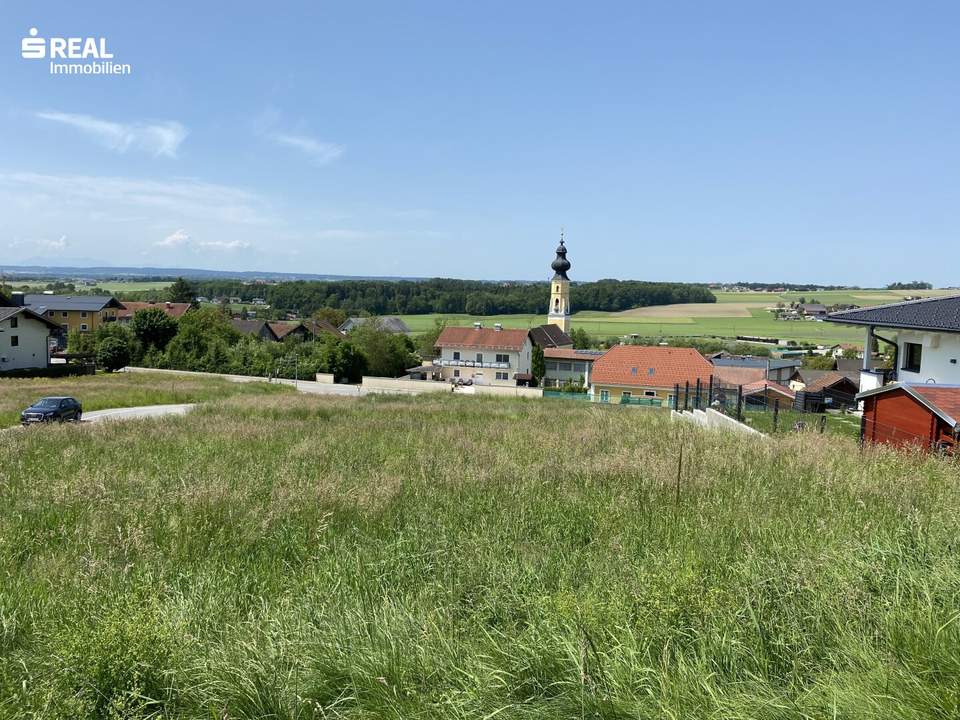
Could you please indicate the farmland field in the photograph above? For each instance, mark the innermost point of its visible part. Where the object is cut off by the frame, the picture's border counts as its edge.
(109, 286)
(733, 314)
(303, 557)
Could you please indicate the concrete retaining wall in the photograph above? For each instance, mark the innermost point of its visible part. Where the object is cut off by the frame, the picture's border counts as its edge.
(507, 391)
(402, 387)
(710, 418)
(325, 378)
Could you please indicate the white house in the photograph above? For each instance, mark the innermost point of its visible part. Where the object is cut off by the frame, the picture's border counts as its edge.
(24, 339)
(487, 356)
(926, 333)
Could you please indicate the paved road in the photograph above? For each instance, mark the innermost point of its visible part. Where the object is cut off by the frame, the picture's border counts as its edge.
(135, 413)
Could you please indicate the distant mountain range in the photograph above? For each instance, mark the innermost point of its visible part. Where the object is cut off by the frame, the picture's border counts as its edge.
(107, 272)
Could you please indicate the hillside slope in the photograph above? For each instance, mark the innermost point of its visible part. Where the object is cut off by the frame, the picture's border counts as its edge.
(300, 557)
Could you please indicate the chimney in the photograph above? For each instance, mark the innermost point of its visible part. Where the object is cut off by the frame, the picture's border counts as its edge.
(17, 298)
(477, 325)
(498, 326)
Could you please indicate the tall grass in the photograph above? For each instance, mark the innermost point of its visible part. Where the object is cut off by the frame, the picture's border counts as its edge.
(110, 390)
(307, 557)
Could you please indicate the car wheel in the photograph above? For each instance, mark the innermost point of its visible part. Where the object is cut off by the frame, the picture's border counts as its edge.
(79, 415)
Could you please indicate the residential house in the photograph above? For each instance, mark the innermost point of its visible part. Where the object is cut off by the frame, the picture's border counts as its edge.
(304, 329)
(919, 415)
(171, 309)
(24, 339)
(779, 370)
(259, 328)
(766, 393)
(566, 365)
(626, 373)
(81, 313)
(486, 356)
(390, 323)
(925, 333)
(813, 310)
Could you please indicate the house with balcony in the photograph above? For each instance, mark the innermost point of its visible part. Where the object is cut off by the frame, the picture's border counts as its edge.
(24, 339)
(925, 334)
(484, 356)
(80, 313)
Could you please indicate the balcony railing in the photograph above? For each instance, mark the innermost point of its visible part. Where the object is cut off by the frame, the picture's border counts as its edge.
(471, 363)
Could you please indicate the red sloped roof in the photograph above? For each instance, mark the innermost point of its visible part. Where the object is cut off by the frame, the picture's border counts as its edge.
(484, 338)
(825, 381)
(647, 366)
(733, 375)
(946, 399)
(174, 310)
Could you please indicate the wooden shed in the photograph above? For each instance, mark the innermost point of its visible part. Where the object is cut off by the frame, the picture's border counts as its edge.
(920, 415)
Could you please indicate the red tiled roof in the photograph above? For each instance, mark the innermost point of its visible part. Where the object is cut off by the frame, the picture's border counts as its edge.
(469, 337)
(644, 366)
(570, 354)
(733, 375)
(762, 385)
(172, 309)
(946, 399)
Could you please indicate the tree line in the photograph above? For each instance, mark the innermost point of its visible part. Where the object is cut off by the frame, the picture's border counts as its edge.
(407, 297)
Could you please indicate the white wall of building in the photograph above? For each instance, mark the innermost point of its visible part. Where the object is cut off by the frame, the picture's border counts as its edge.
(485, 365)
(939, 360)
(31, 350)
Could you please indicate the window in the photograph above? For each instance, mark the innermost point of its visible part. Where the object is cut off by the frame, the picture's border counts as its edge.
(456, 373)
(626, 395)
(633, 371)
(479, 357)
(13, 322)
(456, 355)
(565, 366)
(64, 314)
(912, 353)
(14, 340)
(649, 393)
(503, 376)
(578, 367)
(550, 364)
(83, 327)
(83, 313)
(604, 396)
(50, 313)
(503, 358)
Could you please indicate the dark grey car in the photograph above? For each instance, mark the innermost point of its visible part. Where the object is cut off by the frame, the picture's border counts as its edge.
(52, 409)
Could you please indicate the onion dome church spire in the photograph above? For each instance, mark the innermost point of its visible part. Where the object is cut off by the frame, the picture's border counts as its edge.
(559, 312)
(560, 264)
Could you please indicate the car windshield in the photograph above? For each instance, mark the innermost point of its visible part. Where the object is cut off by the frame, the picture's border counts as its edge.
(47, 404)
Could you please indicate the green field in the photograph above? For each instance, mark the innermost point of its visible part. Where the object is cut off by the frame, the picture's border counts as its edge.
(760, 323)
(111, 390)
(109, 286)
(301, 557)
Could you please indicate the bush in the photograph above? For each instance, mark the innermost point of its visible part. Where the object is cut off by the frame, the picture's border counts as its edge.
(113, 354)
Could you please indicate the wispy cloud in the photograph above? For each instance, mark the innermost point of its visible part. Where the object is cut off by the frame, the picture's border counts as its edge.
(317, 151)
(42, 243)
(182, 239)
(157, 138)
(180, 197)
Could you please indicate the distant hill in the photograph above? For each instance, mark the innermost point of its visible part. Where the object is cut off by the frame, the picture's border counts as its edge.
(104, 272)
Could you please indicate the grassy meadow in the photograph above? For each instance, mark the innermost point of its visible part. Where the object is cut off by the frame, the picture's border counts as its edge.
(746, 316)
(112, 390)
(288, 556)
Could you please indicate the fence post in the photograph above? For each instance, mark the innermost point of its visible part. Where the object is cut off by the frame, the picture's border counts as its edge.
(739, 403)
(686, 397)
(863, 427)
(710, 393)
(776, 414)
(676, 397)
(696, 402)
(823, 423)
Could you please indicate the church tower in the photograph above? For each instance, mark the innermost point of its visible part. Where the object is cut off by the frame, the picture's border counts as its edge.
(559, 313)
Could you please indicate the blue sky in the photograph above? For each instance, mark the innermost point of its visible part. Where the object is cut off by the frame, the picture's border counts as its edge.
(673, 141)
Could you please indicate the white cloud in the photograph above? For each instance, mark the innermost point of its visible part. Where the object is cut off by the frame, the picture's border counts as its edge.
(317, 151)
(180, 197)
(42, 243)
(181, 239)
(156, 138)
(174, 239)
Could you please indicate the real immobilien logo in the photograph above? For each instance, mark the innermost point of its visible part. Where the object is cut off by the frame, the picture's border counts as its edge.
(83, 56)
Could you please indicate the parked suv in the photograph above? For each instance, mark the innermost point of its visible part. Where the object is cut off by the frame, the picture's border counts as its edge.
(51, 409)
